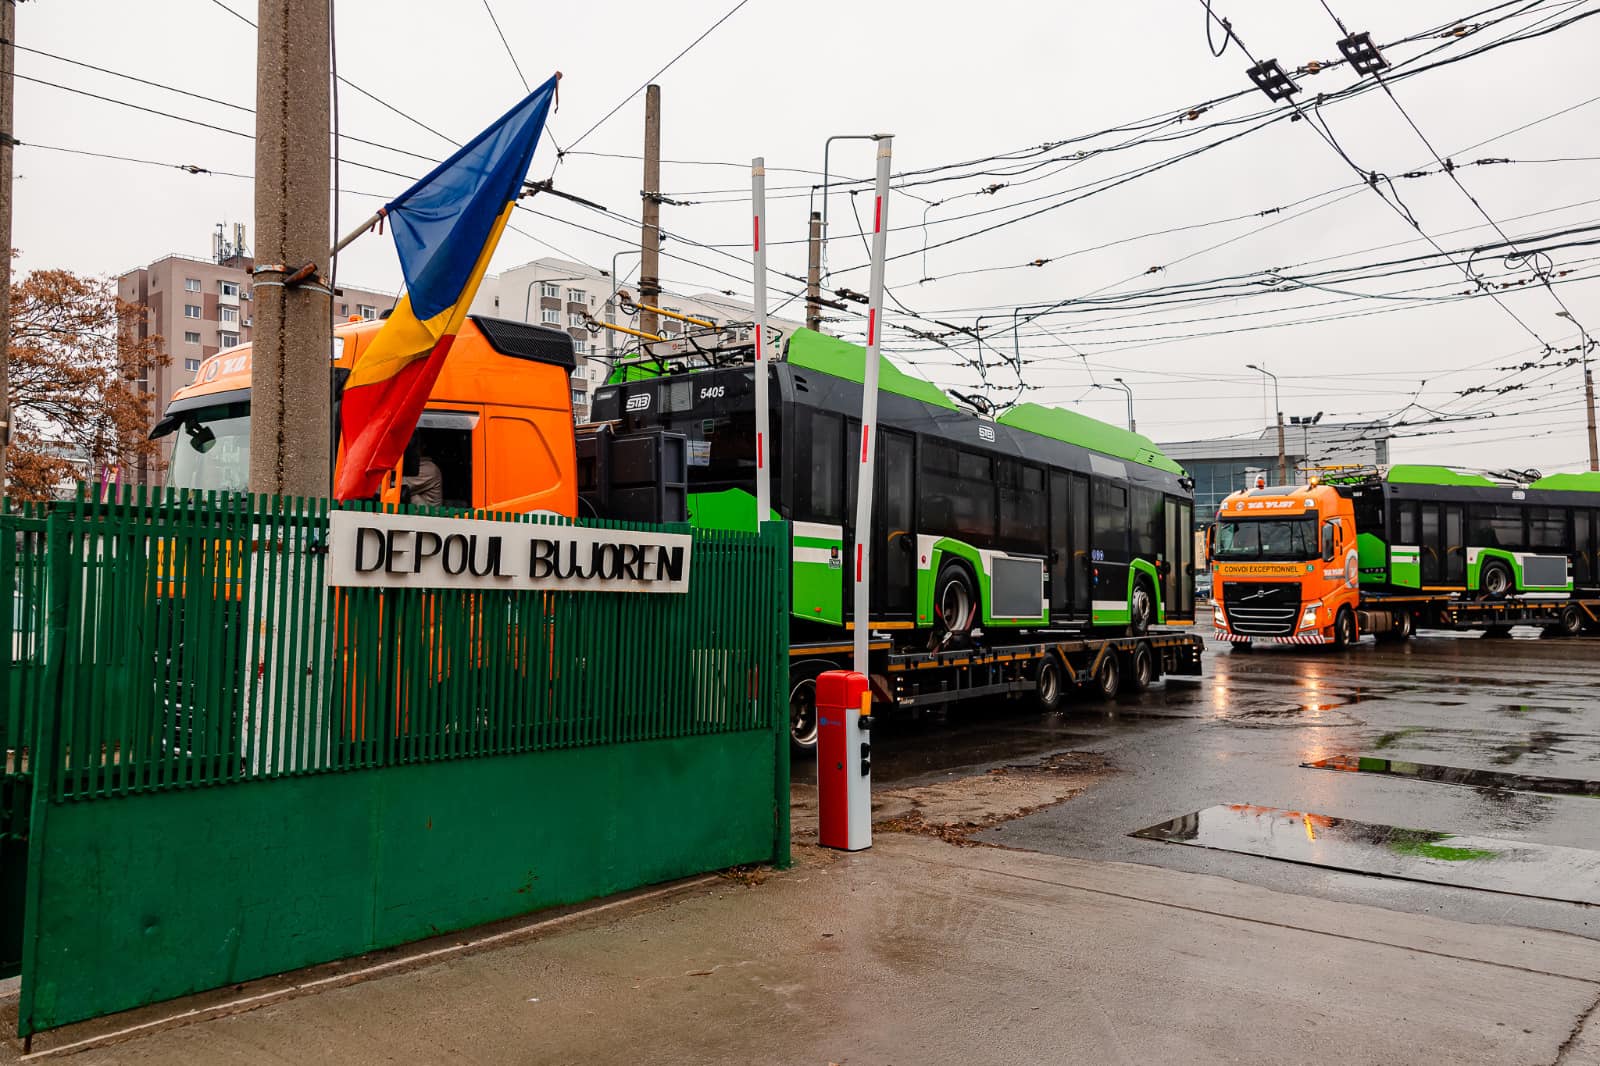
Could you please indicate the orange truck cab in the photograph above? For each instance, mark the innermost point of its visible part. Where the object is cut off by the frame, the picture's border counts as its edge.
(1284, 567)
(498, 422)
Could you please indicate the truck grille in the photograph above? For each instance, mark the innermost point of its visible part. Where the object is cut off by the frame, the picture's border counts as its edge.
(1261, 610)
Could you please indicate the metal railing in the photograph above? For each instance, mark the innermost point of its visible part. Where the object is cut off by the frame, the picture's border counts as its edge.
(162, 642)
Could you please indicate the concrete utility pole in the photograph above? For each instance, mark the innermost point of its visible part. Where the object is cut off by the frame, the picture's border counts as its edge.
(290, 393)
(8, 32)
(650, 229)
(814, 274)
(1588, 390)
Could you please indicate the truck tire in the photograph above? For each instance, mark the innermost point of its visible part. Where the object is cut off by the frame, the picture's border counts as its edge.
(803, 704)
(1570, 622)
(1344, 628)
(1405, 626)
(1050, 687)
(1141, 669)
(1108, 676)
(1495, 581)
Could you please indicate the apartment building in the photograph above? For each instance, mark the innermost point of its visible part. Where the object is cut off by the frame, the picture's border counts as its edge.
(199, 307)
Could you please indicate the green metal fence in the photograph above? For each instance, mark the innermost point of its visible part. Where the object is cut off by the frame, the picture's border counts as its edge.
(162, 647)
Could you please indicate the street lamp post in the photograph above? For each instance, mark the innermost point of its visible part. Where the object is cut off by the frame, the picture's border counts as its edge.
(527, 300)
(1283, 463)
(1588, 386)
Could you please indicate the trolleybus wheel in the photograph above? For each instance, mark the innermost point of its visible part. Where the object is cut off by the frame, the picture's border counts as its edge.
(1496, 581)
(1141, 669)
(955, 601)
(1344, 628)
(1049, 686)
(1108, 675)
(1141, 608)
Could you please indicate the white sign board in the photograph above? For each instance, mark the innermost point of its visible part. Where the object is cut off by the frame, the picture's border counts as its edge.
(376, 550)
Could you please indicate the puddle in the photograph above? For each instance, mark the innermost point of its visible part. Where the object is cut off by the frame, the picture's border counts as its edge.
(1539, 742)
(1489, 864)
(1389, 740)
(1459, 775)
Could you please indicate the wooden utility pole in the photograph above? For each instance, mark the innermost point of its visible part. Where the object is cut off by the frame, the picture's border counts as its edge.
(650, 229)
(814, 274)
(290, 431)
(8, 32)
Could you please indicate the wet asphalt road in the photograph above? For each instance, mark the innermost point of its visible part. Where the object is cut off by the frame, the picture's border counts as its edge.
(1239, 736)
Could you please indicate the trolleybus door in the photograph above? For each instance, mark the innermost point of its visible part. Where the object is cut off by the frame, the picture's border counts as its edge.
(894, 544)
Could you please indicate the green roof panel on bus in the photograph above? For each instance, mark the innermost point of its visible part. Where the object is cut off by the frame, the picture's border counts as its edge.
(1086, 432)
(841, 359)
(1588, 481)
(1436, 475)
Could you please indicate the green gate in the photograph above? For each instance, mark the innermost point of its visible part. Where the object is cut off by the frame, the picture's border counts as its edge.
(219, 768)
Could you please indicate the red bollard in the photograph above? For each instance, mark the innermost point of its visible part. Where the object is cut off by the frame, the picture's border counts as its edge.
(844, 760)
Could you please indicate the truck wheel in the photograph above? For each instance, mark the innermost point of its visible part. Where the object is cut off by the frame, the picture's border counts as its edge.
(1405, 626)
(1570, 622)
(955, 599)
(1344, 628)
(1108, 676)
(1050, 685)
(1141, 669)
(1495, 580)
(1141, 608)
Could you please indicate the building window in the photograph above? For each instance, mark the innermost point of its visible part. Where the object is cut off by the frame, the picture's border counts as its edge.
(367, 312)
(230, 288)
(550, 316)
(229, 340)
(576, 319)
(190, 337)
(191, 284)
(579, 397)
(191, 310)
(229, 314)
(191, 365)
(576, 296)
(549, 291)
(344, 309)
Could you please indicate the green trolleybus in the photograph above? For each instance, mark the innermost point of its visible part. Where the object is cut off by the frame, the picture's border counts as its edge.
(1437, 530)
(1040, 519)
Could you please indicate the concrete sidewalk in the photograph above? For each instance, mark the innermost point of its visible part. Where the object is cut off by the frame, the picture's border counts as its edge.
(923, 952)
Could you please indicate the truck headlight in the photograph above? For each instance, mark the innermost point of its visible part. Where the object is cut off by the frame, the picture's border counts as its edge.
(1217, 617)
(1308, 617)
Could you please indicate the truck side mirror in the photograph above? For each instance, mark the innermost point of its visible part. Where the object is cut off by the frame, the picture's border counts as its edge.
(1211, 542)
(1329, 534)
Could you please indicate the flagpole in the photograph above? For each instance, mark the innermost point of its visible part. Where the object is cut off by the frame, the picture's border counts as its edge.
(365, 227)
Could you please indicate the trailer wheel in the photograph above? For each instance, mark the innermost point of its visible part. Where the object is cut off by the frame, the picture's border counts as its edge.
(1496, 582)
(1570, 622)
(1108, 676)
(1405, 626)
(1050, 685)
(1344, 628)
(1141, 669)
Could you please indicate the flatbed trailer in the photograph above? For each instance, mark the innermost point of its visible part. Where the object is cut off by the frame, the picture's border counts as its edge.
(1047, 666)
(1397, 616)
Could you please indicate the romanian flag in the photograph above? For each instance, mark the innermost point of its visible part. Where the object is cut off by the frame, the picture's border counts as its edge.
(446, 227)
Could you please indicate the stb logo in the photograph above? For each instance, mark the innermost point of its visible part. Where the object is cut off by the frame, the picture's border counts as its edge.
(986, 433)
(640, 402)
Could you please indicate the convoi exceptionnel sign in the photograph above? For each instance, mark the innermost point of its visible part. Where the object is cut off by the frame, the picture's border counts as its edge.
(372, 550)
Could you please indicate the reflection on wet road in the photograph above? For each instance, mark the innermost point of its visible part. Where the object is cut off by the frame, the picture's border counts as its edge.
(1488, 864)
(1517, 720)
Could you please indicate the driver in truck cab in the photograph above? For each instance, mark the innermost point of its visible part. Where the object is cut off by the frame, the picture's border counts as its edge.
(1285, 567)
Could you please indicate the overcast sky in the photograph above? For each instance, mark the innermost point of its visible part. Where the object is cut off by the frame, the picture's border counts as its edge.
(952, 82)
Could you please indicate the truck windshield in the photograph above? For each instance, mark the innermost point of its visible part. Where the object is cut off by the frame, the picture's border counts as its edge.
(1287, 539)
(212, 449)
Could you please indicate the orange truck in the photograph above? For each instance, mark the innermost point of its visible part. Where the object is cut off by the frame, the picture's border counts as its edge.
(498, 422)
(1285, 567)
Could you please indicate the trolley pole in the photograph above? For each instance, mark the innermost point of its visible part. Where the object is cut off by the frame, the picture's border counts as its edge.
(814, 274)
(758, 201)
(869, 404)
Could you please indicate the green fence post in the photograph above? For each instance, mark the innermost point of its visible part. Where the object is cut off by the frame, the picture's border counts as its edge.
(42, 753)
(775, 540)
